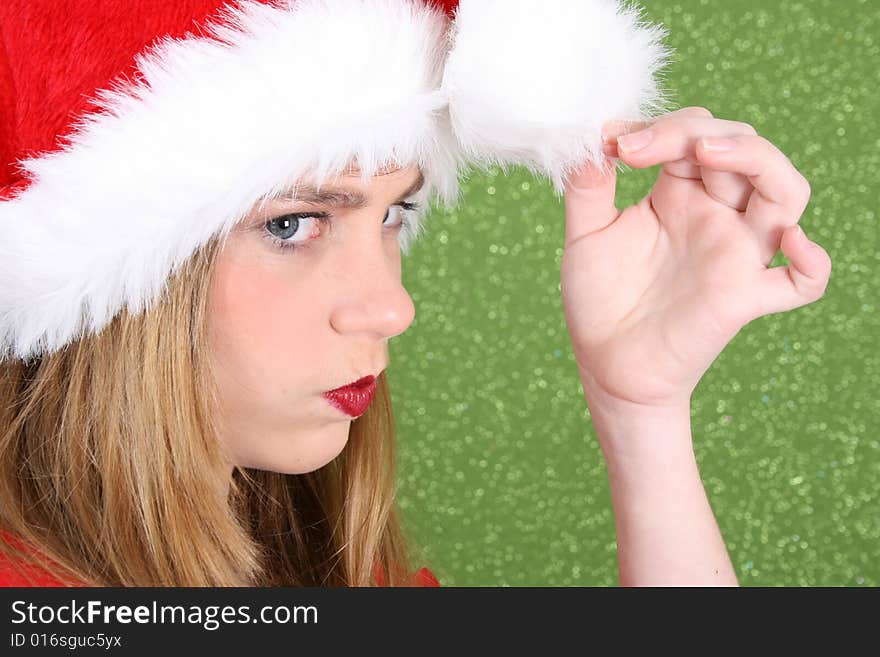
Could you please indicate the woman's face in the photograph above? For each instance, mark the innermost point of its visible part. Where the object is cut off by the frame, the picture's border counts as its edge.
(286, 325)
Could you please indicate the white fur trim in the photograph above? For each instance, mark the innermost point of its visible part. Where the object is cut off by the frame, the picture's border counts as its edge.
(303, 87)
(531, 82)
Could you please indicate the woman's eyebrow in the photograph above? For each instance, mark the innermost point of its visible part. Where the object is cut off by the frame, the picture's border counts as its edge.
(339, 197)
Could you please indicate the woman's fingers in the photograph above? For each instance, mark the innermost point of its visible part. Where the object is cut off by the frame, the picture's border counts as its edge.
(753, 177)
(782, 192)
(613, 129)
(673, 138)
(590, 192)
(685, 168)
(674, 145)
(801, 282)
(589, 201)
(730, 177)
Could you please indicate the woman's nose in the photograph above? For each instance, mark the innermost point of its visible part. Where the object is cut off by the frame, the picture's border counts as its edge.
(371, 297)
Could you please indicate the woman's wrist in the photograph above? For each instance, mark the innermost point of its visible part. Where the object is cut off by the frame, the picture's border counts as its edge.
(625, 428)
(666, 531)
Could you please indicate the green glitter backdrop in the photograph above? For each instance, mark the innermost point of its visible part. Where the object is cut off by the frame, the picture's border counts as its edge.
(501, 479)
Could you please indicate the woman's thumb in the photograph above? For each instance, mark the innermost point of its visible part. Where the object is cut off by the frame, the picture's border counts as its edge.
(589, 199)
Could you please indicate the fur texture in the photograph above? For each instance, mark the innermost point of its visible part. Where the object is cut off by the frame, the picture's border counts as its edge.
(236, 104)
(55, 53)
(218, 122)
(531, 82)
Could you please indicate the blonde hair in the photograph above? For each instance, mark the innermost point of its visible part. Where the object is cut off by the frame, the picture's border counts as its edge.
(110, 467)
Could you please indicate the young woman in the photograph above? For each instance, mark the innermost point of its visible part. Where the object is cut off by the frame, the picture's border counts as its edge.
(198, 289)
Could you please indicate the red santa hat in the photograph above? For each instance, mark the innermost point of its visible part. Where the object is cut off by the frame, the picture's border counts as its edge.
(133, 133)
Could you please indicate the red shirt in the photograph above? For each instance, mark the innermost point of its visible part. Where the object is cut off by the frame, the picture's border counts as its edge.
(12, 574)
(425, 577)
(35, 576)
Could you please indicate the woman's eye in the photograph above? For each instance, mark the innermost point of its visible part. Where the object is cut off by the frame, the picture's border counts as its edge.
(405, 214)
(286, 226)
(288, 232)
(283, 231)
(394, 209)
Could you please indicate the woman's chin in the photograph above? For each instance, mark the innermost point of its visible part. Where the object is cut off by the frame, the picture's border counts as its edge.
(306, 455)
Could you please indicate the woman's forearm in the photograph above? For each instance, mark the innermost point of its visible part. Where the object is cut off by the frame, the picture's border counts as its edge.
(666, 531)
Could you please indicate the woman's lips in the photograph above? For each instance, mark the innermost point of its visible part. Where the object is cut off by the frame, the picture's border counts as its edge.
(354, 398)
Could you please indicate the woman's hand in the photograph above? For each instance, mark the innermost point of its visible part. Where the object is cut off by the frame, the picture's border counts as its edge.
(654, 292)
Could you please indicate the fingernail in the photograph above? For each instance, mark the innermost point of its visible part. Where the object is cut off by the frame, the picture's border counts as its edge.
(802, 236)
(718, 144)
(611, 130)
(635, 140)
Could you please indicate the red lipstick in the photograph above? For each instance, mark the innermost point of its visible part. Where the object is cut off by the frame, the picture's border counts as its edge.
(353, 398)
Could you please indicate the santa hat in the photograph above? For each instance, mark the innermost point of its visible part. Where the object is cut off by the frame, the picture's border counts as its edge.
(131, 133)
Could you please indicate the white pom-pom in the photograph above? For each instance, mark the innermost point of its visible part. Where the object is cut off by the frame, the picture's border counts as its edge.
(531, 82)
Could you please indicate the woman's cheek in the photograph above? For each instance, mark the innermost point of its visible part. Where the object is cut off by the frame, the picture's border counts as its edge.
(274, 313)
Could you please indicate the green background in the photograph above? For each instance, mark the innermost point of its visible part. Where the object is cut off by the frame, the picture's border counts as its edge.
(501, 479)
